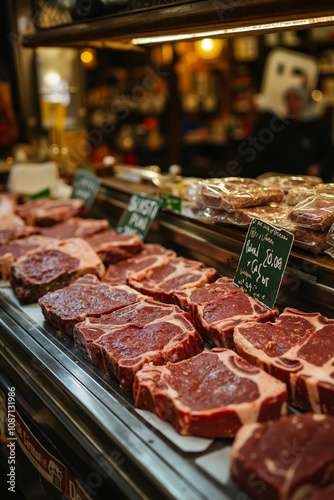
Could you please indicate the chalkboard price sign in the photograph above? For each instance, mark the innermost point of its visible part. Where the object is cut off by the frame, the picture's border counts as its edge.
(263, 260)
(139, 215)
(85, 187)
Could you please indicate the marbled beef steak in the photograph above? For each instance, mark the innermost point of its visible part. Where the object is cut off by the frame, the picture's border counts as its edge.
(8, 234)
(212, 394)
(75, 227)
(151, 256)
(217, 308)
(121, 342)
(44, 212)
(85, 297)
(288, 459)
(177, 274)
(112, 247)
(53, 267)
(13, 249)
(297, 348)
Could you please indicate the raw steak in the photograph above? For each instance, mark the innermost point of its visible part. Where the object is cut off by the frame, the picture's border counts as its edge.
(85, 297)
(121, 342)
(13, 233)
(288, 459)
(297, 348)
(53, 267)
(43, 212)
(217, 308)
(177, 274)
(152, 256)
(112, 247)
(212, 394)
(325, 494)
(14, 249)
(75, 227)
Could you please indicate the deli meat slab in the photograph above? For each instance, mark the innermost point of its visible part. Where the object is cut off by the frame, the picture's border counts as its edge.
(177, 274)
(44, 212)
(217, 308)
(121, 342)
(85, 297)
(287, 459)
(297, 348)
(52, 267)
(212, 394)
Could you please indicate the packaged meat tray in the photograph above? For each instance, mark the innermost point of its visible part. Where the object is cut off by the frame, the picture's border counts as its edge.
(273, 213)
(233, 193)
(287, 182)
(297, 348)
(296, 195)
(153, 255)
(75, 227)
(287, 459)
(177, 274)
(120, 343)
(86, 297)
(52, 267)
(316, 212)
(217, 308)
(212, 394)
(307, 239)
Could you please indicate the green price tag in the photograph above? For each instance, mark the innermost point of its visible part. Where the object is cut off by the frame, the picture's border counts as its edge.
(170, 201)
(85, 187)
(263, 260)
(41, 194)
(139, 215)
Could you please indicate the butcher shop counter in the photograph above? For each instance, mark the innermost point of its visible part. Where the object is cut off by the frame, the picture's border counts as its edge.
(308, 282)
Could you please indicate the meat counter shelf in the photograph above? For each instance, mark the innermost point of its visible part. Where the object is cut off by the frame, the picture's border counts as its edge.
(92, 427)
(308, 283)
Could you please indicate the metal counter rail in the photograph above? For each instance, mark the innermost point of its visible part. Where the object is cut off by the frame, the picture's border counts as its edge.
(90, 410)
(308, 283)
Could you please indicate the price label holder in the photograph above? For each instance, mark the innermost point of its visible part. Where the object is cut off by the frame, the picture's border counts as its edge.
(263, 260)
(85, 187)
(139, 215)
(170, 202)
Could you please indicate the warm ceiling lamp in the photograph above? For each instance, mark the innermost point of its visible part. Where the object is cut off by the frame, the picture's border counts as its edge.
(208, 48)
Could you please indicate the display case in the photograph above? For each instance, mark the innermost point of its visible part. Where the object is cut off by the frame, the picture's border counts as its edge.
(78, 433)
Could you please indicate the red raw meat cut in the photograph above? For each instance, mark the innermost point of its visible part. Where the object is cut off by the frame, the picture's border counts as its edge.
(217, 308)
(75, 227)
(85, 297)
(152, 256)
(212, 394)
(112, 247)
(325, 494)
(44, 212)
(287, 459)
(175, 275)
(121, 342)
(8, 234)
(14, 249)
(297, 348)
(52, 267)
